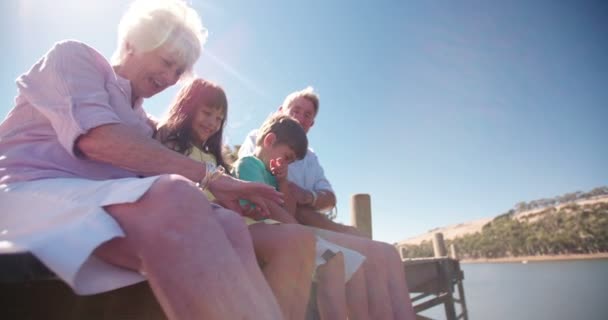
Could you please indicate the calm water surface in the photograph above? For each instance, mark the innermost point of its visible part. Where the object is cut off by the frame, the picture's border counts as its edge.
(561, 290)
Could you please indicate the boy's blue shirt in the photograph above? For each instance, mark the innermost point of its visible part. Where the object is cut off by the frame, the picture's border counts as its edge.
(250, 168)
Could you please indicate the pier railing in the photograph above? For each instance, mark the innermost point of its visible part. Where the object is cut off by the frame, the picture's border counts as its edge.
(437, 280)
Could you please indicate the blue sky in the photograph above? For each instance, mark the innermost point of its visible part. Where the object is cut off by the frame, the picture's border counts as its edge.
(443, 111)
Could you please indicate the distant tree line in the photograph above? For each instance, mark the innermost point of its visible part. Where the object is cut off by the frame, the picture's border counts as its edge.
(559, 200)
(569, 230)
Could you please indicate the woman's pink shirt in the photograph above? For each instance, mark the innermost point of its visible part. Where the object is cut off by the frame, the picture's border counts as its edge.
(69, 91)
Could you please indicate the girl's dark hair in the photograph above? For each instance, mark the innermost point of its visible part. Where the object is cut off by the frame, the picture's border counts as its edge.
(175, 131)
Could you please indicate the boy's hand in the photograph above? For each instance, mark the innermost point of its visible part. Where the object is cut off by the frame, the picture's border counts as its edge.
(278, 168)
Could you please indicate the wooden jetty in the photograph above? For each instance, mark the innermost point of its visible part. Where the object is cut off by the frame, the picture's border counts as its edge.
(29, 291)
(432, 281)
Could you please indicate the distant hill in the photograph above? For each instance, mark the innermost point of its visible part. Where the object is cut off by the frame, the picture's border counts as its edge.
(572, 221)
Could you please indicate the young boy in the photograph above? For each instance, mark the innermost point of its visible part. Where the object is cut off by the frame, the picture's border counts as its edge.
(281, 141)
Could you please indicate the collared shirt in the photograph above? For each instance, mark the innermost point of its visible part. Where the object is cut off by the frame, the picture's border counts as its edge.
(69, 91)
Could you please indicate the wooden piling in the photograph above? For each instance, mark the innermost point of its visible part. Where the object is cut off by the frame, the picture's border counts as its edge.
(361, 213)
(439, 245)
(453, 252)
(440, 252)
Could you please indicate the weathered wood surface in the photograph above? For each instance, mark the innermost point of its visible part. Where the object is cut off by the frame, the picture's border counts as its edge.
(52, 299)
(29, 291)
(361, 213)
(431, 282)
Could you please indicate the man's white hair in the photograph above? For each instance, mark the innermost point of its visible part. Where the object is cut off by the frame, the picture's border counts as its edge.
(308, 93)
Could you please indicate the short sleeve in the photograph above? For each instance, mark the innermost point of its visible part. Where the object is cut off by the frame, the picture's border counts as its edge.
(320, 182)
(248, 146)
(248, 169)
(68, 86)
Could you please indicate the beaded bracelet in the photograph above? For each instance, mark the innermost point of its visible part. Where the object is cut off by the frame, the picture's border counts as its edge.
(212, 173)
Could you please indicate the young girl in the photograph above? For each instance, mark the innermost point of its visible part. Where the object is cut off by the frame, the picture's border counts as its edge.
(195, 124)
(194, 127)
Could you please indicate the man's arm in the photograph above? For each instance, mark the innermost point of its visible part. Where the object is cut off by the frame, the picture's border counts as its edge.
(321, 200)
(316, 190)
(310, 217)
(326, 200)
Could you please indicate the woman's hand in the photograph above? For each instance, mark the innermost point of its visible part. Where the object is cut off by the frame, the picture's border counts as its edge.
(228, 191)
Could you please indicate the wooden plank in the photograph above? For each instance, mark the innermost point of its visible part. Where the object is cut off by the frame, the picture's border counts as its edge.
(54, 300)
(422, 276)
(420, 297)
(430, 303)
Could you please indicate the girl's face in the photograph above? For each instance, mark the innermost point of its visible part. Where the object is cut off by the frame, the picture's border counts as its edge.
(206, 121)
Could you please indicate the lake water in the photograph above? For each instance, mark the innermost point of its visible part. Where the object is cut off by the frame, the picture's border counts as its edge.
(561, 290)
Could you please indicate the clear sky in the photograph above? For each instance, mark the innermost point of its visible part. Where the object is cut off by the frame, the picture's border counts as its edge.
(443, 111)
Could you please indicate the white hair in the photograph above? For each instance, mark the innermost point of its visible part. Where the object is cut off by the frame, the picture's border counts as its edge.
(308, 93)
(150, 24)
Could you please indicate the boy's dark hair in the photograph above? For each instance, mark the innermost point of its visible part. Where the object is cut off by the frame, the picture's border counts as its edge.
(287, 131)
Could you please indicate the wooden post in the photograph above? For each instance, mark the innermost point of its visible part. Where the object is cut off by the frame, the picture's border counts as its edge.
(463, 303)
(439, 245)
(448, 302)
(361, 213)
(402, 252)
(453, 253)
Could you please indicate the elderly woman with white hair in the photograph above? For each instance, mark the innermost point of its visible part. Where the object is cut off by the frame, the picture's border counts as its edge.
(85, 188)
